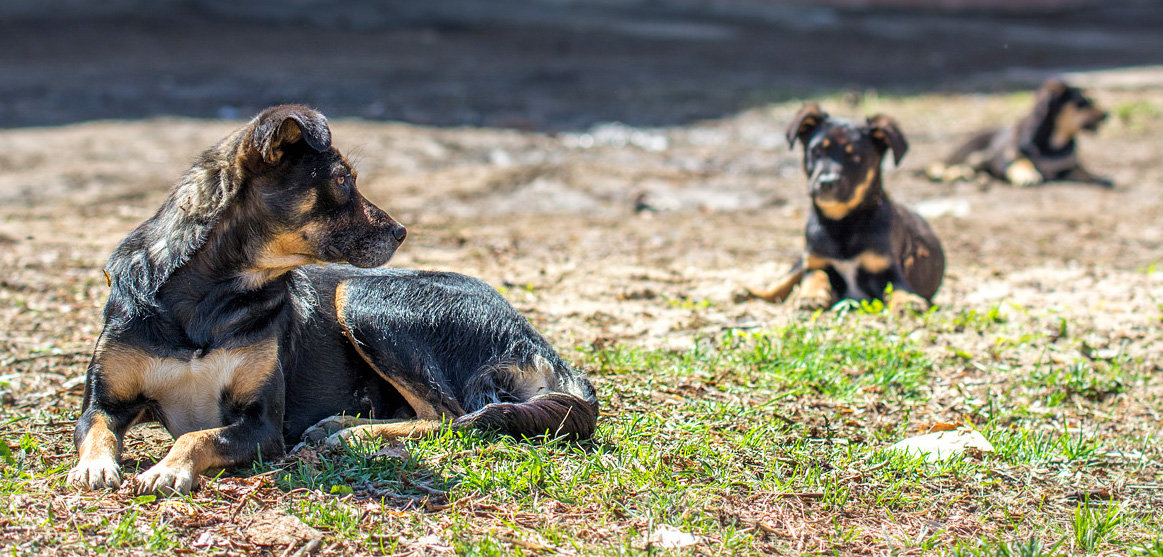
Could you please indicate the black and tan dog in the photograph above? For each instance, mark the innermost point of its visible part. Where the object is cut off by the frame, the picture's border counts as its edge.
(221, 325)
(1040, 148)
(858, 240)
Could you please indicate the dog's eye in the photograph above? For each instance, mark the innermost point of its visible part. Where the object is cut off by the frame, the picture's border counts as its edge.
(341, 180)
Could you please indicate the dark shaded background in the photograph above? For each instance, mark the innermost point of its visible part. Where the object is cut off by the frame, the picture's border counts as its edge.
(530, 64)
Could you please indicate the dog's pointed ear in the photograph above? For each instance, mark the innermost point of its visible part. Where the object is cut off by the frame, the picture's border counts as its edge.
(1052, 88)
(279, 127)
(1045, 99)
(805, 123)
(885, 131)
(1050, 91)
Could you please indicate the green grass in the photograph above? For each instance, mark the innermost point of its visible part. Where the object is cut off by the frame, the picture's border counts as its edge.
(754, 442)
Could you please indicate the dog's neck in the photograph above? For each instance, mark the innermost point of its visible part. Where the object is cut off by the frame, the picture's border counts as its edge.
(212, 296)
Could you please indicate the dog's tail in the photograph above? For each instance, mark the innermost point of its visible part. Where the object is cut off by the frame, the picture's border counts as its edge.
(954, 166)
(553, 415)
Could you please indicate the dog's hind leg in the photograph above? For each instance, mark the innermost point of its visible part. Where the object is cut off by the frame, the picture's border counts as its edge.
(1082, 175)
(532, 399)
(385, 430)
(456, 350)
(957, 166)
(546, 401)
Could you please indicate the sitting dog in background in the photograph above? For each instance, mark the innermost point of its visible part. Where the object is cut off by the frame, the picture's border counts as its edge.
(220, 325)
(858, 240)
(1040, 148)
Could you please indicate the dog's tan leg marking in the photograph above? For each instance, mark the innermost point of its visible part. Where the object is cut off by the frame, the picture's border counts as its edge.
(97, 467)
(1022, 173)
(192, 454)
(815, 292)
(782, 289)
(393, 430)
(424, 409)
(330, 425)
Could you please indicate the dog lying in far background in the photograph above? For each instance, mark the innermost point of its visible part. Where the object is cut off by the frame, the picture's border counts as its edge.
(858, 241)
(224, 324)
(1040, 148)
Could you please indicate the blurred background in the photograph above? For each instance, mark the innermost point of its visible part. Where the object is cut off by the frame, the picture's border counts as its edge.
(537, 64)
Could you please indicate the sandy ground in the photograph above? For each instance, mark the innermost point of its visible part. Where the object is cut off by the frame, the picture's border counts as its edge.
(549, 218)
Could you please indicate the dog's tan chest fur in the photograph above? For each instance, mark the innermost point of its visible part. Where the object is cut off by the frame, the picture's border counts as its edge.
(848, 270)
(188, 392)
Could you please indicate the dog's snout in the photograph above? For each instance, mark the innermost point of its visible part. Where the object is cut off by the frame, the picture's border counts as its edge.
(399, 232)
(827, 183)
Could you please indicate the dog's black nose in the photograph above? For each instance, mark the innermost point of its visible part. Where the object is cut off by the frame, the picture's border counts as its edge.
(399, 232)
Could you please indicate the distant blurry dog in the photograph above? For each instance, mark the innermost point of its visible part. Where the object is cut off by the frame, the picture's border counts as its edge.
(221, 326)
(1040, 148)
(858, 240)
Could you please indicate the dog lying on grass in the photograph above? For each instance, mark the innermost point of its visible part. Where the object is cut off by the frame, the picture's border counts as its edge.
(223, 324)
(858, 241)
(1040, 148)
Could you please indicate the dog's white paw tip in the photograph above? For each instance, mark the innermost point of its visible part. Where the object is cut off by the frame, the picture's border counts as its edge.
(96, 474)
(164, 480)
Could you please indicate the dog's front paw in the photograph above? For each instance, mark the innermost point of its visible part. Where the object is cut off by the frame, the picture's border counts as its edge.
(1023, 174)
(815, 293)
(100, 473)
(812, 301)
(939, 172)
(907, 301)
(958, 173)
(327, 427)
(163, 479)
